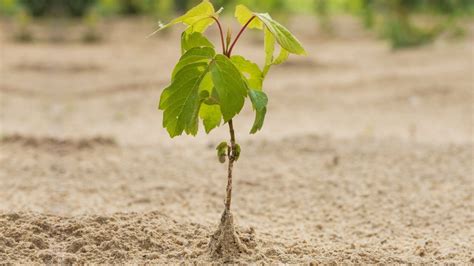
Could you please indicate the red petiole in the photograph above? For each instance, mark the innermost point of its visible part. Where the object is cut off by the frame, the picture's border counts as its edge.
(226, 50)
(222, 34)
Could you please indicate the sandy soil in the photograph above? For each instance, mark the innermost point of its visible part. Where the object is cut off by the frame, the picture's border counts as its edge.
(366, 155)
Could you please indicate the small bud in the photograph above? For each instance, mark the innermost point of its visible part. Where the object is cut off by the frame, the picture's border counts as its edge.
(222, 151)
(229, 36)
(222, 158)
(237, 152)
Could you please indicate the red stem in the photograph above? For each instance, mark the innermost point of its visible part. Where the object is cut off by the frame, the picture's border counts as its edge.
(221, 32)
(229, 52)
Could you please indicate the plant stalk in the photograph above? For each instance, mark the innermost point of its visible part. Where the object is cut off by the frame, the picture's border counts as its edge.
(229, 51)
(231, 156)
(224, 51)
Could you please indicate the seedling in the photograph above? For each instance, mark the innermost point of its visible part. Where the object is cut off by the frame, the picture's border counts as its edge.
(213, 87)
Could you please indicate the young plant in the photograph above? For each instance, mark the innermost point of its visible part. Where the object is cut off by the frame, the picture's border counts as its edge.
(212, 87)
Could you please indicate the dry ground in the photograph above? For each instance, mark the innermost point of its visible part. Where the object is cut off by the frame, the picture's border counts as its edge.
(366, 155)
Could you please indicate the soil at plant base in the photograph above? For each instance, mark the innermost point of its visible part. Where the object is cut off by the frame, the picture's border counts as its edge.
(366, 155)
(226, 243)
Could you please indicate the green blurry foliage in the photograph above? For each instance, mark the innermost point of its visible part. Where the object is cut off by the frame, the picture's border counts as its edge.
(367, 13)
(394, 20)
(78, 8)
(132, 7)
(91, 21)
(108, 7)
(399, 28)
(37, 8)
(365, 8)
(9, 7)
(75, 8)
(23, 32)
(323, 15)
(267, 5)
(403, 34)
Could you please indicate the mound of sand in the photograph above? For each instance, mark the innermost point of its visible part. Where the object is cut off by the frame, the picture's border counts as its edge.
(132, 238)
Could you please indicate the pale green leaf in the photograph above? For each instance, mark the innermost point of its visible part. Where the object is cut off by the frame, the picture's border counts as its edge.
(282, 35)
(282, 57)
(229, 86)
(269, 43)
(180, 101)
(192, 40)
(211, 116)
(270, 50)
(259, 102)
(243, 15)
(250, 70)
(197, 18)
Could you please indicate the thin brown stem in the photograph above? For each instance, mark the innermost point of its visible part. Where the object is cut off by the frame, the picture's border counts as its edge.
(229, 52)
(231, 156)
(221, 33)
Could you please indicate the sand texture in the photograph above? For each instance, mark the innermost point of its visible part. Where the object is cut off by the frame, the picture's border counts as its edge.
(366, 156)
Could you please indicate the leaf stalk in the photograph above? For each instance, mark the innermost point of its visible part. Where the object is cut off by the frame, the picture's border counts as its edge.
(229, 52)
(221, 33)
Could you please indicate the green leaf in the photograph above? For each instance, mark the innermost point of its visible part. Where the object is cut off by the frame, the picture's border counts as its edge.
(197, 18)
(243, 15)
(194, 55)
(211, 116)
(269, 43)
(259, 99)
(259, 119)
(282, 35)
(229, 85)
(251, 71)
(282, 57)
(206, 87)
(180, 100)
(270, 50)
(259, 102)
(192, 40)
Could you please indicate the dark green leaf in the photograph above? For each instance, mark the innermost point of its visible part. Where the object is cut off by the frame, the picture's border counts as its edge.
(229, 85)
(259, 119)
(180, 100)
(259, 102)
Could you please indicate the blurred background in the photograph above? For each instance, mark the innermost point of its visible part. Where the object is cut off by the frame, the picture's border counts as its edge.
(403, 23)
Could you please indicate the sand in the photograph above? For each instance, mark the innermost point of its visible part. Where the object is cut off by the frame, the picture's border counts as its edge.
(366, 156)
